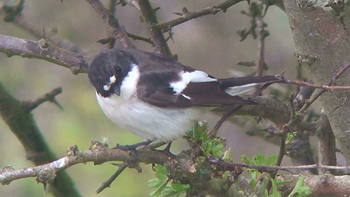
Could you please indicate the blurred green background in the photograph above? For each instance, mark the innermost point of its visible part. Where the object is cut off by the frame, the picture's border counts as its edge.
(208, 43)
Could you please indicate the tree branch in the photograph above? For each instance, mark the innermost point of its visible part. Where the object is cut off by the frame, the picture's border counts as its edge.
(98, 154)
(50, 96)
(44, 50)
(114, 29)
(17, 116)
(149, 14)
(186, 16)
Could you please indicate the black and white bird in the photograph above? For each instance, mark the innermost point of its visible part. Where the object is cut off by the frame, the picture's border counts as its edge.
(157, 97)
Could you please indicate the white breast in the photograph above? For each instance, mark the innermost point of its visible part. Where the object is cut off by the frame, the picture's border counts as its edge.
(147, 121)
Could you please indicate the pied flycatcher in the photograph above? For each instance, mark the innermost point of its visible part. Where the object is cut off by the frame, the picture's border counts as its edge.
(157, 97)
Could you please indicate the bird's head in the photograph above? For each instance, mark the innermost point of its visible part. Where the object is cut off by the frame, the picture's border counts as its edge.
(108, 69)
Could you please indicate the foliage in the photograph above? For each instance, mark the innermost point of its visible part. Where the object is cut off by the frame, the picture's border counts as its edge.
(256, 177)
(300, 190)
(162, 186)
(208, 147)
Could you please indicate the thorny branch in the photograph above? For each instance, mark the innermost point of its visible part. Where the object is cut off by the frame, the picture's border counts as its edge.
(149, 15)
(98, 154)
(50, 96)
(341, 71)
(108, 183)
(15, 16)
(17, 116)
(114, 29)
(186, 15)
(42, 49)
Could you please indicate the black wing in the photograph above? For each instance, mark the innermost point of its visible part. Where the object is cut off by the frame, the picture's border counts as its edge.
(154, 88)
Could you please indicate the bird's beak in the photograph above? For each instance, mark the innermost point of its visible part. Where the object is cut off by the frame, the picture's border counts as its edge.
(117, 90)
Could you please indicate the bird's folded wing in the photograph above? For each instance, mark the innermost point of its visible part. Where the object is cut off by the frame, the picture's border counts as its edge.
(155, 90)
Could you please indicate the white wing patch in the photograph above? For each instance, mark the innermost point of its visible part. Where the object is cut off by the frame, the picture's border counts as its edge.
(184, 95)
(187, 77)
(237, 90)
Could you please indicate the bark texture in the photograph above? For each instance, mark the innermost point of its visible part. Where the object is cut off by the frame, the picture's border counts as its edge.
(321, 37)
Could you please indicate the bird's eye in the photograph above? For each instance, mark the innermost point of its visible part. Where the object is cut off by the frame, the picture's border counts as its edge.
(118, 69)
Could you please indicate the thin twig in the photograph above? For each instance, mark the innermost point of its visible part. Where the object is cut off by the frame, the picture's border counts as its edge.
(114, 29)
(227, 114)
(21, 21)
(319, 93)
(230, 166)
(279, 159)
(112, 7)
(136, 37)
(149, 15)
(107, 183)
(191, 15)
(50, 96)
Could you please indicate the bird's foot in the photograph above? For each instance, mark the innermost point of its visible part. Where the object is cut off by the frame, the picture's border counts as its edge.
(166, 150)
(134, 146)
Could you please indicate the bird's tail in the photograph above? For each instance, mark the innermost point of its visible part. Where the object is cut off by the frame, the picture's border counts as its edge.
(237, 86)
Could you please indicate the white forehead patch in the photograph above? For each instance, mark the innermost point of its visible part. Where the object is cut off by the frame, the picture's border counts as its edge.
(107, 87)
(112, 79)
(187, 77)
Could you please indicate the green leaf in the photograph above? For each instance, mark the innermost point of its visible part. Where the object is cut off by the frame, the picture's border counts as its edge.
(300, 189)
(204, 136)
(271, 160)
(254, 173)
(177, 186)
(263, 185)
(153, 183)
(245, 159)
(159, 183)
(282, 182)
(259, 159)
(199, 129)
(175, 189)
(252, 183)
(217, 150)
(161, 172)
(275, 192)
(159, 189)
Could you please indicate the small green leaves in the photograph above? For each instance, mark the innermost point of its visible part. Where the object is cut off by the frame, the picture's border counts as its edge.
(300, 190)
(275, 192)
(162, 186)
(213, 146)
(175, 189)
(198, 132)
(290, 137)
(259, 159)
(160, 182)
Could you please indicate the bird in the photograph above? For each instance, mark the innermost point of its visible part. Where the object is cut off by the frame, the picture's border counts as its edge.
(158, 98)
